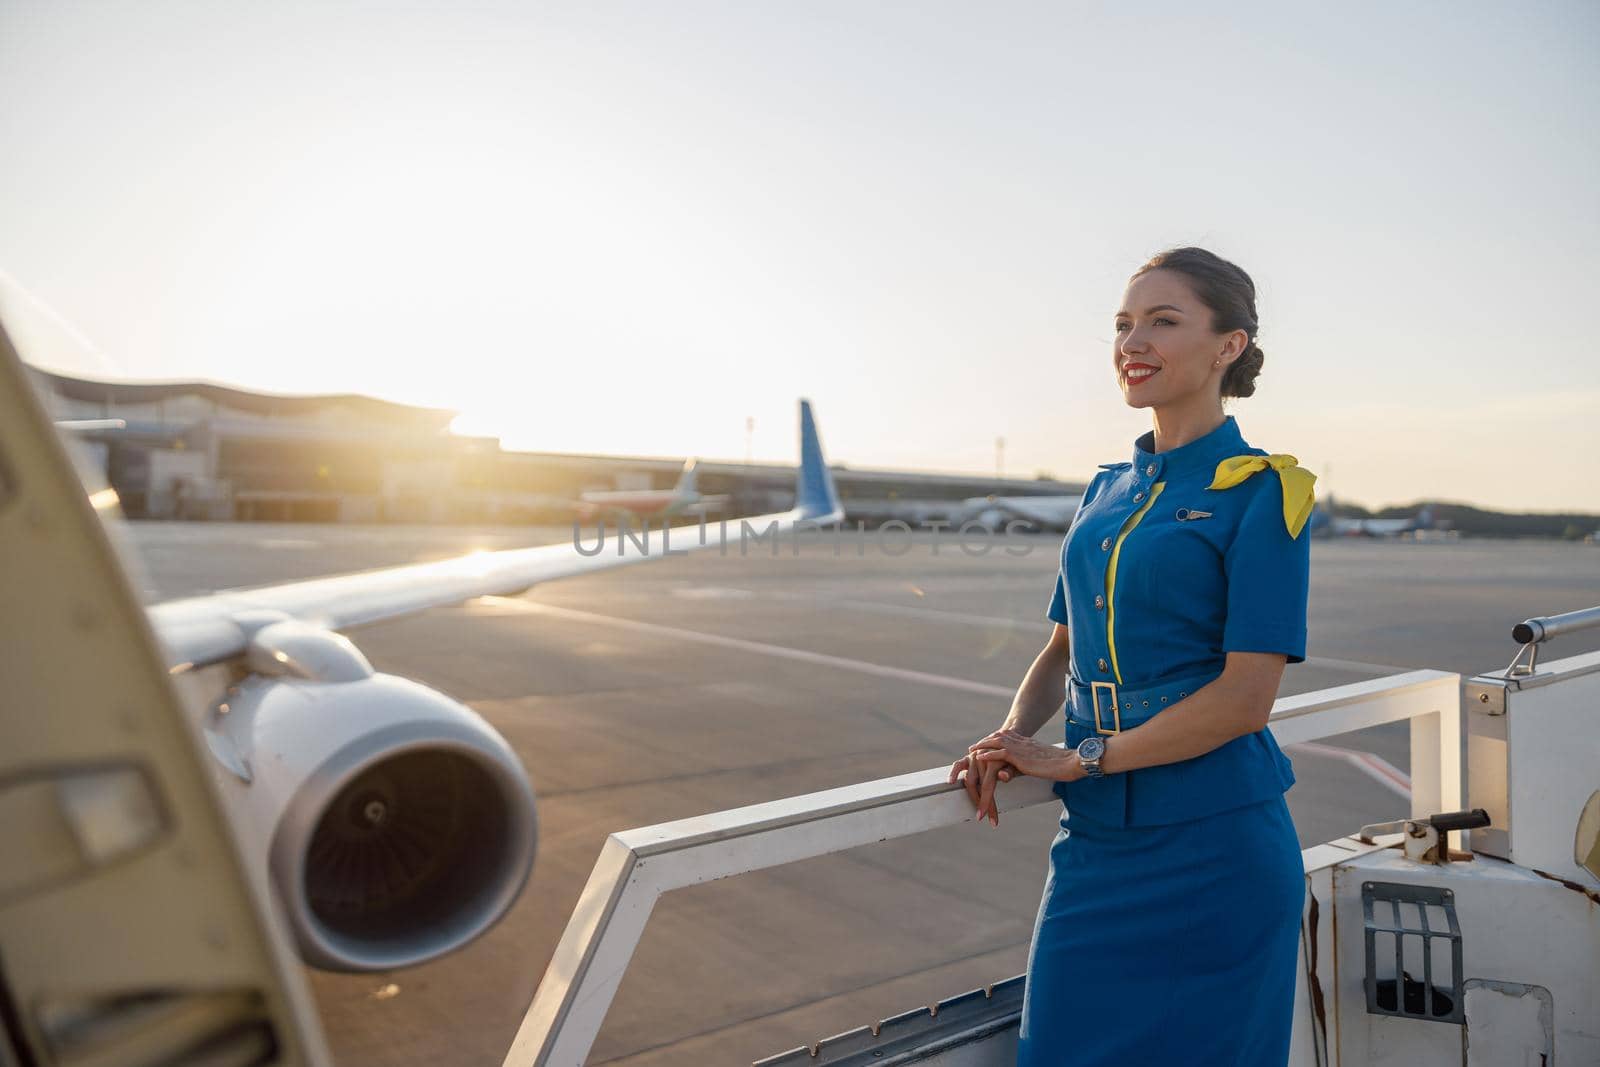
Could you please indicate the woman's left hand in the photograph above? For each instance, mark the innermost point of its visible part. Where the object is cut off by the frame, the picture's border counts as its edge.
(1029, 756)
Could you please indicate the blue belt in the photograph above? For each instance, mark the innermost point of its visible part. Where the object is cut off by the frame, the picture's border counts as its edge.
(1107, 708)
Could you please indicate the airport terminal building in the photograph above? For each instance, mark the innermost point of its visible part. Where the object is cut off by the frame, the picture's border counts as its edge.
(198, 450)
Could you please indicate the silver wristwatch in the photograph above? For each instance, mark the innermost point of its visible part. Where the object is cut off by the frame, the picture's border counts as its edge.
(1090, 750)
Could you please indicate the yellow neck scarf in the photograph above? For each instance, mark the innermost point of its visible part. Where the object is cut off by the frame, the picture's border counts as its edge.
(1298, 496)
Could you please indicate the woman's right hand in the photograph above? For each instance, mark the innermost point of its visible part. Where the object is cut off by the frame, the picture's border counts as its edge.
(979, 778)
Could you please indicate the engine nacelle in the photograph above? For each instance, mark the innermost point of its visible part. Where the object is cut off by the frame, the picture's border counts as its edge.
(396, 825)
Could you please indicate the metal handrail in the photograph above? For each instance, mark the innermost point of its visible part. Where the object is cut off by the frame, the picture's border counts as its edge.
(1529, 633)
(1544, 627)
(637, 866)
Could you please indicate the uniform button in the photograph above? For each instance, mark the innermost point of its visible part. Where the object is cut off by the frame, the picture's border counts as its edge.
(1099, 601)
(1101, 664)
(1138, 497)
(1151, 469)
(1105, 545)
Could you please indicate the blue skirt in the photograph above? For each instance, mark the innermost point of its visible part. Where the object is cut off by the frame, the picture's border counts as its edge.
(1167, 944)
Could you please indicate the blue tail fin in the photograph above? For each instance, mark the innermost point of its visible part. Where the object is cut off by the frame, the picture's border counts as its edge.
(814, 495)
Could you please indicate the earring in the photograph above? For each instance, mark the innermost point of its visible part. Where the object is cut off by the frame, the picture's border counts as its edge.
(1216, 363)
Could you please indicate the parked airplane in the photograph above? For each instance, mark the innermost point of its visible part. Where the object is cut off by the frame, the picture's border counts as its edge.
(684, 498)
(187, 791)
(1323, 523)
(999, 512)
(80, 425)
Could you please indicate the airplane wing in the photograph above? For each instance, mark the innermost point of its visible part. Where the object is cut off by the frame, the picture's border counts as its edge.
(1055, 511)
(706, 504)
(1048, 512)
(389, 823)
(208, 629)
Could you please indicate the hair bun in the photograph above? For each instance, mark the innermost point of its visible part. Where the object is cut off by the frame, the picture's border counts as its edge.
(1240, 379)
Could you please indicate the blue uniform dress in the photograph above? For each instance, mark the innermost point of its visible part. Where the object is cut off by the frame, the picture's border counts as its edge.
(1169, 927)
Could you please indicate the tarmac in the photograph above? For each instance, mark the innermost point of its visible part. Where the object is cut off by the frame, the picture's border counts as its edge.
(709, 681)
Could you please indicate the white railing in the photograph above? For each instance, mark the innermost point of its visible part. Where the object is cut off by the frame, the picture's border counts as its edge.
(638, 866)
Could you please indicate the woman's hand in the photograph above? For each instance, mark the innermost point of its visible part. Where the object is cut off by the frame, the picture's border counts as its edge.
(1028, 756)
(979, 778)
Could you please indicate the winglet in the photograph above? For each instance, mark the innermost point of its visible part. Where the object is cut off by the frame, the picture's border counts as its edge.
(814, 495)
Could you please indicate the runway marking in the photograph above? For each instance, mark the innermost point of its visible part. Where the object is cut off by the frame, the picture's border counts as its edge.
(1377, 670)
(711, 592)
(932, 614)
(859, 666)
(1375, 767)
(1371, 765)
(907, 610)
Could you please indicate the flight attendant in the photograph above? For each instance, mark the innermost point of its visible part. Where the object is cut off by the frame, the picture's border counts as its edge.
(1169, 926)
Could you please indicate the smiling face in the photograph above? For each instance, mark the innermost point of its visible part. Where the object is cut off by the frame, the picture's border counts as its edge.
(1165, 344)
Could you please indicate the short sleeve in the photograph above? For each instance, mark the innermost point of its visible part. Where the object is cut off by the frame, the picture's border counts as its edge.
(1058, 602)
(1057, 611)
(1269, 578)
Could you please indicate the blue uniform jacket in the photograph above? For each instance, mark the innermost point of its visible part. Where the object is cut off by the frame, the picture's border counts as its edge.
(1173, 560)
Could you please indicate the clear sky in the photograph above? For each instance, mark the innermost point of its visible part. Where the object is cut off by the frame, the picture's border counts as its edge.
(625, 227)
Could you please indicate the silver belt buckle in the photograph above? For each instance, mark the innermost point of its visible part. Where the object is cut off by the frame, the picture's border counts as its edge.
(1116, 715)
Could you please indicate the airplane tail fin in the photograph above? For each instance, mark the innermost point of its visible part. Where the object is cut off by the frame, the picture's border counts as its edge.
(814, 495)
(687, 478)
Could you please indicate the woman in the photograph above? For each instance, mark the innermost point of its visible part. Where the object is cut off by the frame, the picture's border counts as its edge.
(1169, 927)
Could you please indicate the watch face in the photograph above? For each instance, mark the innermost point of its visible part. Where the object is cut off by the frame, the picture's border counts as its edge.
(1091, 748)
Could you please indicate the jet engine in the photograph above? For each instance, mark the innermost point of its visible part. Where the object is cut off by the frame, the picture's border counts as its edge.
(394, 823)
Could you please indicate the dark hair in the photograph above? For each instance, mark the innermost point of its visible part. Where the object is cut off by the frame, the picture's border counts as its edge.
(1230, 294)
